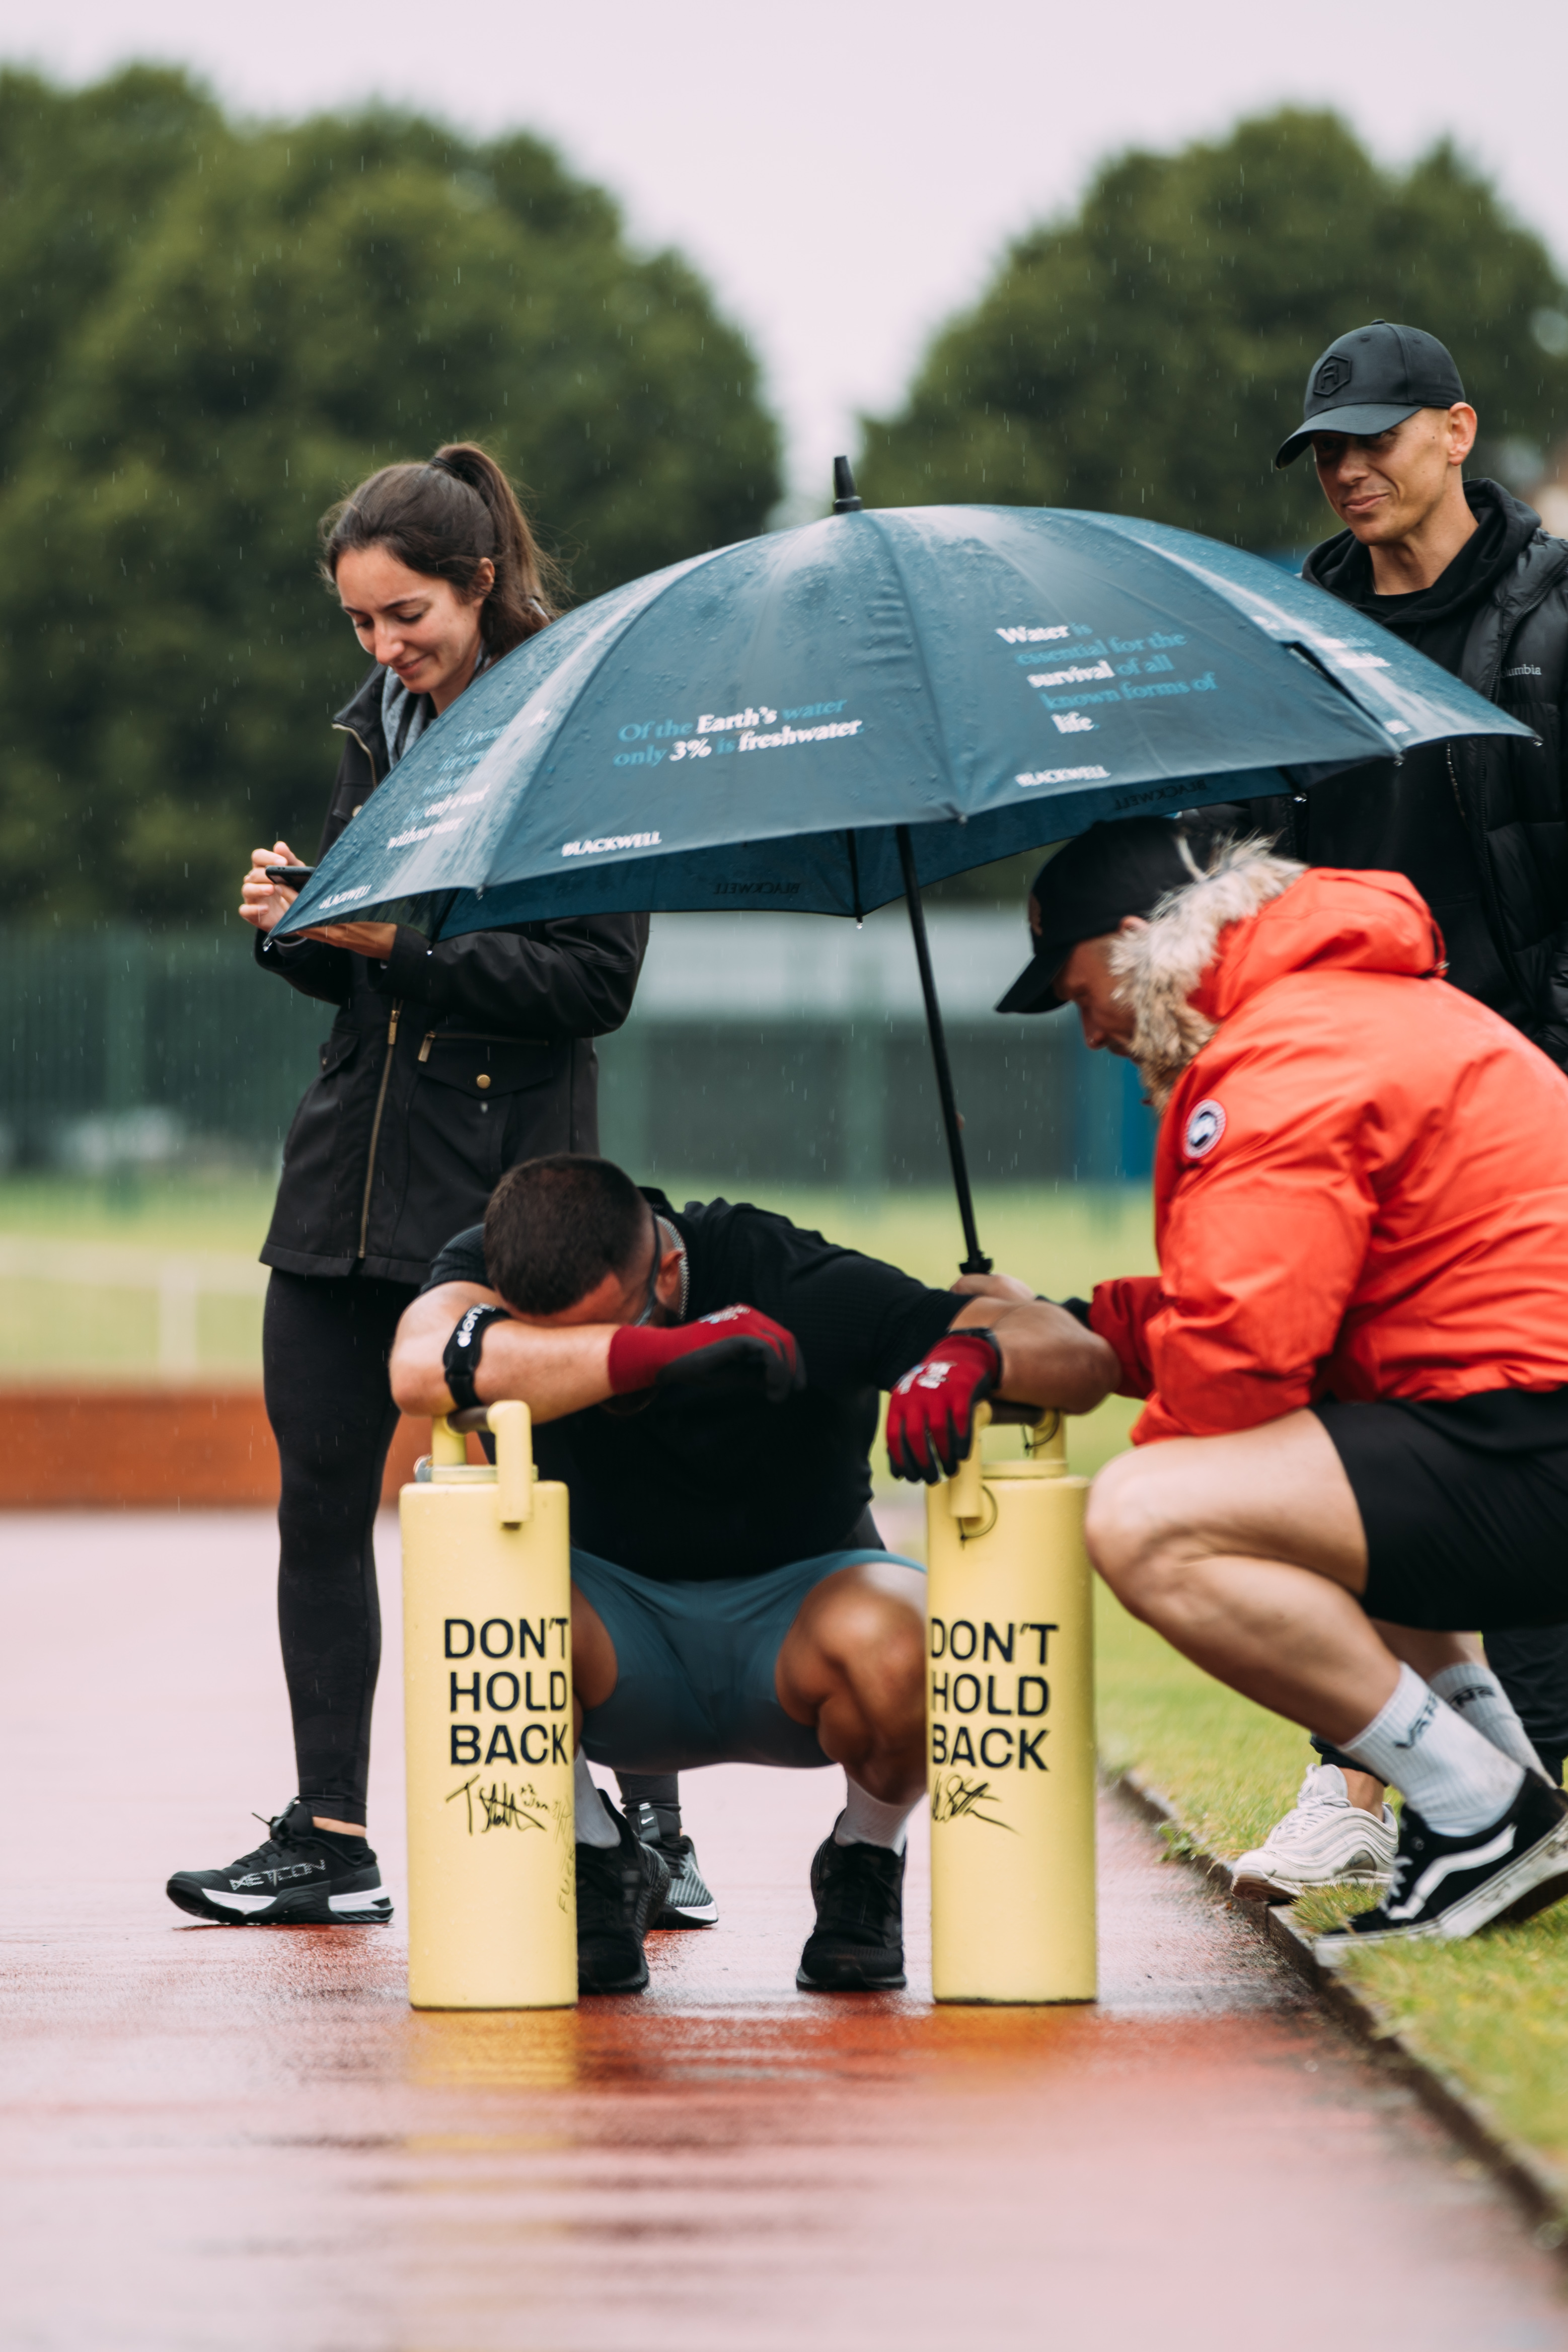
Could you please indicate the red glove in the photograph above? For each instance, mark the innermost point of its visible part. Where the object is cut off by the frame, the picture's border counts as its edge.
(735, 1353)
(931, 1412)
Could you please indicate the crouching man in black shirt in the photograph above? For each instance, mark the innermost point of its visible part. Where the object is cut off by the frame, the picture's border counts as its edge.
(704, 1381)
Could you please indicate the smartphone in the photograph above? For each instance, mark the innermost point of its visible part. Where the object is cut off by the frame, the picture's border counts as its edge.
(293, 878)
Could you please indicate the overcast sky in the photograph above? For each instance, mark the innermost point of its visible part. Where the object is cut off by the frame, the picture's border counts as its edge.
(847, 171)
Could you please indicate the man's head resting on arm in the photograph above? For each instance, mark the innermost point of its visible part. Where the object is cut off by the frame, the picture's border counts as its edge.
(570, 1240)
(571, 1245)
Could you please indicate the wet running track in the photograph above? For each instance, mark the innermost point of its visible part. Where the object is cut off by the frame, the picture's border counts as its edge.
(227, 2137)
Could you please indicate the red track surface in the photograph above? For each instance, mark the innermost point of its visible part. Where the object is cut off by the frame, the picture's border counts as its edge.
(228, 2137)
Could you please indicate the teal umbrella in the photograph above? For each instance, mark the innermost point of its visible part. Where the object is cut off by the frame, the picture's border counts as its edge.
(822, 720)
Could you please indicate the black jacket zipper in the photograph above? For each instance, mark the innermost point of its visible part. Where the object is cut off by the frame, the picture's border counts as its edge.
(376, 1124)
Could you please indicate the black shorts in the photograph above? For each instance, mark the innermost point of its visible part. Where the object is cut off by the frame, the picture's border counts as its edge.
(1465, 1504)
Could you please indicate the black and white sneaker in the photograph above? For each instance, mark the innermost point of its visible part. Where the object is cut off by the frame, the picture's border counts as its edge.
(299, 1876)
(857, 1944)
(1450, 1887)
(621, 1890)
(689, 1903)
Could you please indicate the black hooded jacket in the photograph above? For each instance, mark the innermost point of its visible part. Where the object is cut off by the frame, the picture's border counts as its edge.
(445, 1065)
(1479, 823)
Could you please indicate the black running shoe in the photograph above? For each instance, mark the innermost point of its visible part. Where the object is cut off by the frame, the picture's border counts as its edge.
(1449, 1887)
(621, 1890)
(299, 1876)
(689, 1903)
(857, 1944)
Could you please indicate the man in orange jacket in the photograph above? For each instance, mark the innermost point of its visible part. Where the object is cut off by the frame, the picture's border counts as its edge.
(1354, 1358)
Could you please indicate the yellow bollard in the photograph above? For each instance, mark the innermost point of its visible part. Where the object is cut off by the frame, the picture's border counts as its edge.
(487, 1586)
(1010, 1722)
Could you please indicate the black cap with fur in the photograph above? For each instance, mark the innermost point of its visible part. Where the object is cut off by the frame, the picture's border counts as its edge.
(1119, 868)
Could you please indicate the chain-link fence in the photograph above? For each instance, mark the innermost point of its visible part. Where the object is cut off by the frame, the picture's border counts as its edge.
(762, 1048)
(124, 1044)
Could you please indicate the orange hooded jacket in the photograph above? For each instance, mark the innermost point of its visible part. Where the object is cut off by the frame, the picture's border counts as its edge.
(1361, 1183)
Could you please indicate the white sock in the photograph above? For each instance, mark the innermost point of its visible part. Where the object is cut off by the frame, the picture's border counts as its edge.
(1456, 1781)
(594, 1826)
(1477, 1697)
(866, 1820)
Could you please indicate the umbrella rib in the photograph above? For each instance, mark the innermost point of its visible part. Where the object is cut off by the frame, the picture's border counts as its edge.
(918, 642)
(974, 1261)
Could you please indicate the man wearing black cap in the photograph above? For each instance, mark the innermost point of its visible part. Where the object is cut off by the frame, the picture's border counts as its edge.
(1113, 875)
(1465, 573)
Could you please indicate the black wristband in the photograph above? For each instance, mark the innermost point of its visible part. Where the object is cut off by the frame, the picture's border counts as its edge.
(460, 1360)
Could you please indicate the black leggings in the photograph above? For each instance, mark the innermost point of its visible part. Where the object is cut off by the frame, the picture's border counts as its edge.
(325, 1345)
(1531, 1665)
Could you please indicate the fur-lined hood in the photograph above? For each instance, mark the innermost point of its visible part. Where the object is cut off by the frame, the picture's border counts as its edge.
(1190, 967)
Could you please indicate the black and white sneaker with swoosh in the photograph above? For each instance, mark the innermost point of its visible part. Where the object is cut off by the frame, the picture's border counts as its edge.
(299, 1876)
(689, 1903)
(1446, 1887)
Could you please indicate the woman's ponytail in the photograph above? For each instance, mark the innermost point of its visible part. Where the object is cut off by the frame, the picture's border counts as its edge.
(443, 518)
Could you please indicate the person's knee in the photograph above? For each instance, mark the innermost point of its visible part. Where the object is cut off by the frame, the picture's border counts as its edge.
(897, 1659)
(1130, 1533)
(875, 1635)
(329, 1470)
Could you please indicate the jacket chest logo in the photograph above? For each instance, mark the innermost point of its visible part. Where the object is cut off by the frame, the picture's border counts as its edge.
(1205, 1126)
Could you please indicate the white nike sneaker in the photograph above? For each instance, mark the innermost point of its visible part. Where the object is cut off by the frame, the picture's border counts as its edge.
(1323, 1841)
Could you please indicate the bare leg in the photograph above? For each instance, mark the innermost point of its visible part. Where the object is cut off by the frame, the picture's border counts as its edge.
(854, 1664)
(1246, 1553)
(595, 1670)
(1429, 1653)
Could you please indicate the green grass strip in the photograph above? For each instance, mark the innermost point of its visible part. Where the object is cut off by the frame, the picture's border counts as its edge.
(1493, 2011)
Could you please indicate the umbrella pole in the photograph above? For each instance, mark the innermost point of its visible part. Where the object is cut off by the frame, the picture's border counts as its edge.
(975, 1263)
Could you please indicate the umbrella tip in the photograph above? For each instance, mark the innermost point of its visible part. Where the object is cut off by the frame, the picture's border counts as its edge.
(845, 500)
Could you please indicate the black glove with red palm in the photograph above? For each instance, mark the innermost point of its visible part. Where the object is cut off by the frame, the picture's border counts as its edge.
(733, 1352)
(931, 1412)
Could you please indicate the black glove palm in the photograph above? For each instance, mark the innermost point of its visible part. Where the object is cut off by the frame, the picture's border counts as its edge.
(742, 1365)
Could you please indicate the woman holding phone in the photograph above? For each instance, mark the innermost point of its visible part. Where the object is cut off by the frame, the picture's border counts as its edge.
(445, 1065)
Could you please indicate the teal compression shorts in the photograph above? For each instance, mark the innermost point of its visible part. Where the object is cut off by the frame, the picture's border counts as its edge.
(696, 1662)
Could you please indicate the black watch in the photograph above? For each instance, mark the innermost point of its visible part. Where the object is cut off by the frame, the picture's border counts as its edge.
(460, 1360)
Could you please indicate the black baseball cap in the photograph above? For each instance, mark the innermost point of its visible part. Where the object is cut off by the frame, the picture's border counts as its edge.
(1372, 378)
(1120, 867)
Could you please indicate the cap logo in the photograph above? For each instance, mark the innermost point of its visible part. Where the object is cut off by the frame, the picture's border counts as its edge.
(1205, 1126)
(1334, 374)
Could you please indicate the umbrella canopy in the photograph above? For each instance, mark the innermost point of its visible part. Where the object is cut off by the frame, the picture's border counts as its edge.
(749, 727)
(822, 720)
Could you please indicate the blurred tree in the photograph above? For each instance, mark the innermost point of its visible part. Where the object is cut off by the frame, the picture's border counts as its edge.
(275, 313)
(83, 176)
(1147, 355)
